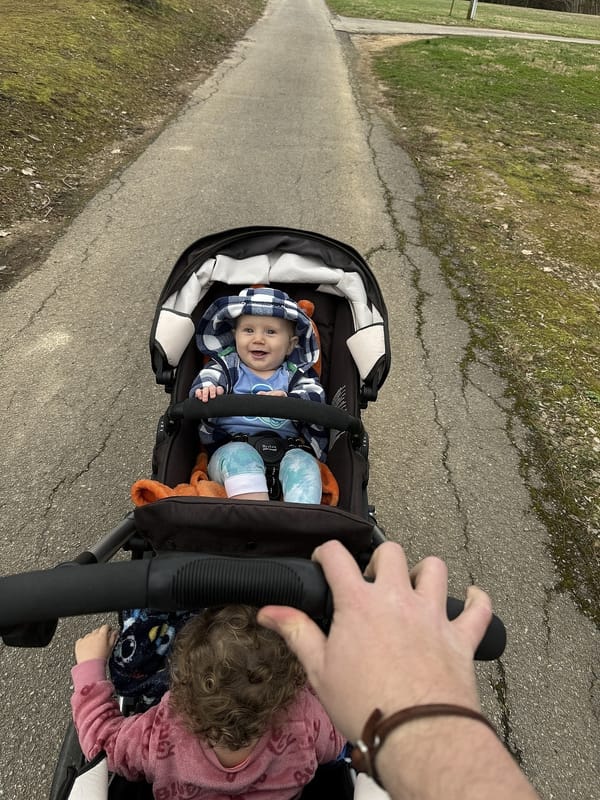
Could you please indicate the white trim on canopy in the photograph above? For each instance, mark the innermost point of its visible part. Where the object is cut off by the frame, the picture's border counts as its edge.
(175, 329)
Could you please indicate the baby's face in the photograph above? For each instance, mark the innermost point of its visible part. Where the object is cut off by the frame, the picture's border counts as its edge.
(263, 343)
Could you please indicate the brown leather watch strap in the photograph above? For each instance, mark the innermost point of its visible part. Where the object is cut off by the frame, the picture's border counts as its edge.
(377, 729)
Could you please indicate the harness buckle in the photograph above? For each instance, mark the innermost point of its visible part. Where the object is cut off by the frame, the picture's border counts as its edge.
(272, 449)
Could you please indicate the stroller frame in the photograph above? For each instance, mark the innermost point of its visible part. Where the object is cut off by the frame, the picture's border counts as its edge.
(191, 552)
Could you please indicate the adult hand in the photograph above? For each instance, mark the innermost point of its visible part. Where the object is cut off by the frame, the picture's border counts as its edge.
(98, 643)
(208, 393)
(391, 644)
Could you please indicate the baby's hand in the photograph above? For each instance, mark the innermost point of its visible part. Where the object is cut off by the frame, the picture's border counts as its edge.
(275, 393)
(209, 393)
(97, 644)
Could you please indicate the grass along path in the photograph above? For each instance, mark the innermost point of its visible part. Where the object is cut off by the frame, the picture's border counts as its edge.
(505, 134)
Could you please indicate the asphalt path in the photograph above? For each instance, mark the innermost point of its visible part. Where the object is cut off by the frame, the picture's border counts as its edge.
(279, 134)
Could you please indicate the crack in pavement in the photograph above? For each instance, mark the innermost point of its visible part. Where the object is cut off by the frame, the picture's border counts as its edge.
(403, 239)
(500, 688)
(37, 311)
(68, 482)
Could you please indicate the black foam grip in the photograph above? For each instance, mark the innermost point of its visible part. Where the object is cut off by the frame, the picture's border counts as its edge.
(72, 589)
(176, 582)
(180, 582)
(494, 641)
(218, 580)
(231, 405)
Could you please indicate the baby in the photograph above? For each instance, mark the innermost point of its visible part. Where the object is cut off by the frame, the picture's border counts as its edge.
(238, 719)
(260, 342)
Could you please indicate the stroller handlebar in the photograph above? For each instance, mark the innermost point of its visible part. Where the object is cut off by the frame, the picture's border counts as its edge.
(232, 405)
(184, 581)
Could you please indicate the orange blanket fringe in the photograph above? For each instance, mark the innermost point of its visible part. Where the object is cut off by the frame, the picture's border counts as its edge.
(147, 490)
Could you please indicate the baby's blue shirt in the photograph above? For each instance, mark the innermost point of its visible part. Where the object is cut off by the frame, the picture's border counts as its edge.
(249, 383)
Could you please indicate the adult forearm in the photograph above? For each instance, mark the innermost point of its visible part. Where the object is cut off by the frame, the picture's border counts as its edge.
(451, 758)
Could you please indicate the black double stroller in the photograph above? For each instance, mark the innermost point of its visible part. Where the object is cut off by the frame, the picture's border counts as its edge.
(190, 551)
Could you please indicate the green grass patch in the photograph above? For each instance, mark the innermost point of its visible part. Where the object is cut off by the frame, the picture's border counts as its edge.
(76, 75)
(488, 15)
(505, 134)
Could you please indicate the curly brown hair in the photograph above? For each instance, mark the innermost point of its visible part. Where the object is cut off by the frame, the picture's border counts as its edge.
(229, 676)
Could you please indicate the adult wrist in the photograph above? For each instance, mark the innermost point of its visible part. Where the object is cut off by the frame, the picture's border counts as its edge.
(379, 728)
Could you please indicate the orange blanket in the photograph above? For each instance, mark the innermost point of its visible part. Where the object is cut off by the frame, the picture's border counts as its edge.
(147, 491)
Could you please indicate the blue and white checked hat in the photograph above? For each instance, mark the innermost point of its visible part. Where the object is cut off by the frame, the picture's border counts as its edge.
(215, 330)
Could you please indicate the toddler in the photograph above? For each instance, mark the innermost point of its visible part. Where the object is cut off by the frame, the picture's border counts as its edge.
(239, 718)
(260, 342)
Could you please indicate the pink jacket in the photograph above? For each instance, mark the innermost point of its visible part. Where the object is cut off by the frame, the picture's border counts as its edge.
(157, 746)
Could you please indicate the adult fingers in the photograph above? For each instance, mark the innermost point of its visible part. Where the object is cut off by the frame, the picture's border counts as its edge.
(388, 564)
(430, 579)
(301, 635)
(340, 569)
(472, 623)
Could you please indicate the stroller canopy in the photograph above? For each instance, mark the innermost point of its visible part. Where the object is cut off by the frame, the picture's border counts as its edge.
(266, 256)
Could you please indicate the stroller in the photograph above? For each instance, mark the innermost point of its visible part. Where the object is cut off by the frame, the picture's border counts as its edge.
(190, 550)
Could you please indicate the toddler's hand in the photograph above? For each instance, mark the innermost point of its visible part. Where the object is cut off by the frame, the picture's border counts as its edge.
(96, 644)
(275, 393)
(209, 393)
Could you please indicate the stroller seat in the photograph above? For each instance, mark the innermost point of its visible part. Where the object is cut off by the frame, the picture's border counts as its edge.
(349, 315)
